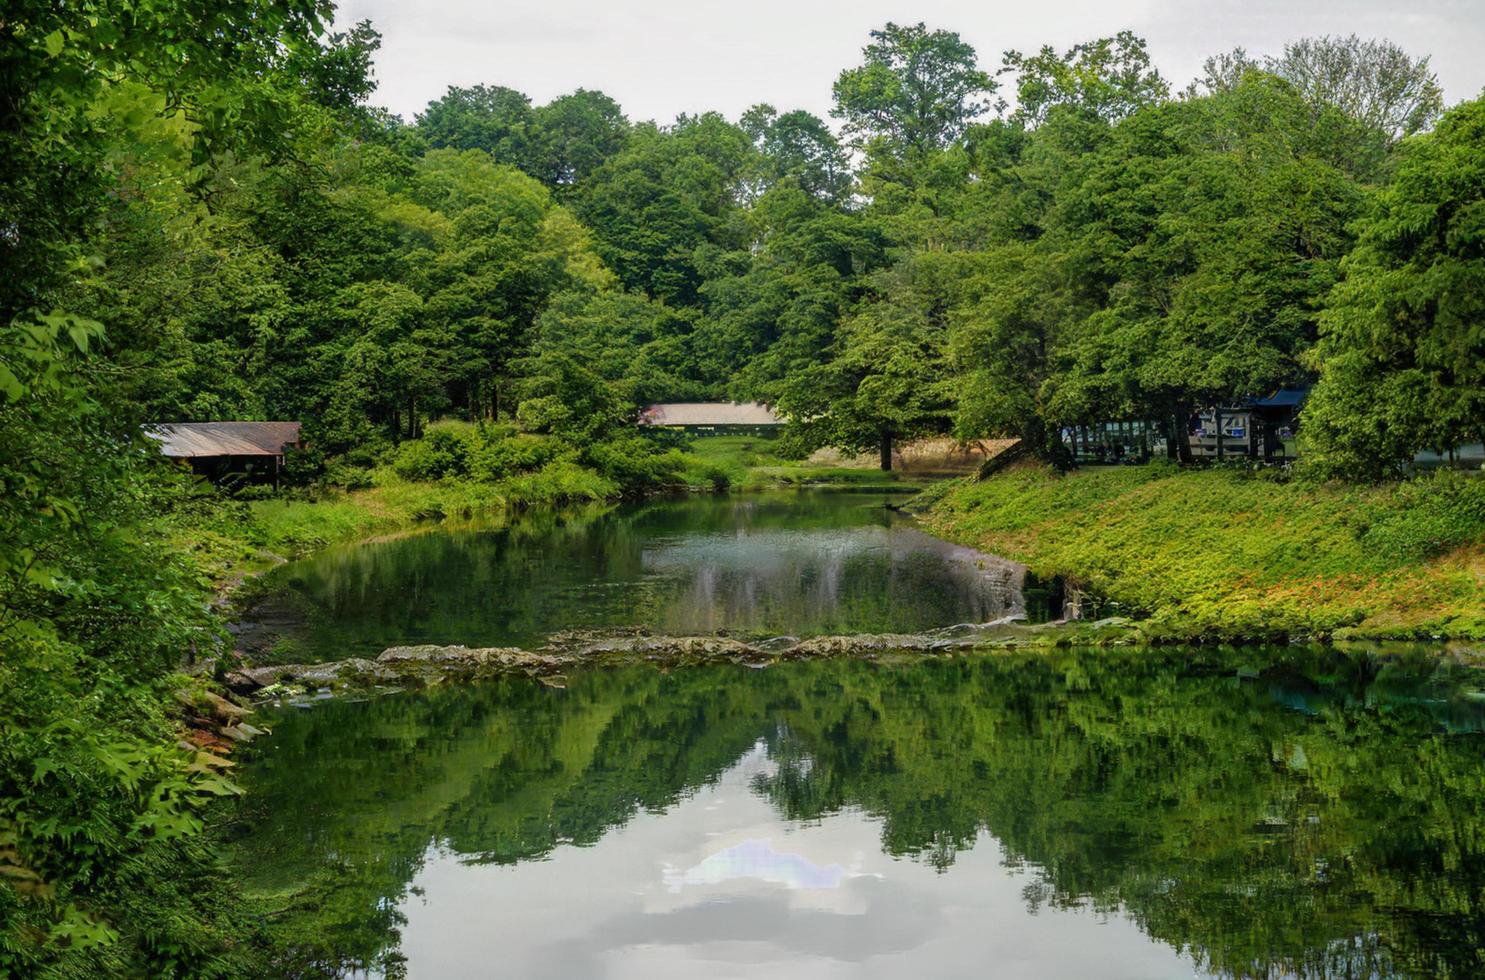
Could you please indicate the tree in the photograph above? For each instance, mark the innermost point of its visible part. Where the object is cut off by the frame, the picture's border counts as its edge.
(799, 147)
(773, 308)
(103, 867)
(492, 118)
(918, 90)
(886, 380)
(1108, 78)
(1222, 73)
(573, 135)
(657, 206)
(1003, 345)
(1181, 263)
(1375, 82)
(1402, 352)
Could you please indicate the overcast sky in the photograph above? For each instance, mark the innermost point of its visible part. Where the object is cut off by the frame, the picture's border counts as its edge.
(663, 57)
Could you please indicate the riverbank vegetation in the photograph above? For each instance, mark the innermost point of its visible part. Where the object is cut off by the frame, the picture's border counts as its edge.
(1227, 554)
(203, 216)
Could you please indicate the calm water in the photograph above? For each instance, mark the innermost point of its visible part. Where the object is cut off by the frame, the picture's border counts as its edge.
(1078, 814)
(784, 563)
(1097, 813)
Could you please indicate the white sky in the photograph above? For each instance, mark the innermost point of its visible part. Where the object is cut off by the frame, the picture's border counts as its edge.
(662, 57)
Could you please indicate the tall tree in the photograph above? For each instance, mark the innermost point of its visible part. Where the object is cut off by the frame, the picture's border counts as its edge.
(1215, 242)
(1402, 357)
(104, 868)
(1375, 82)
(917, 90)
(492, 118)
(671, 195)
(1108, 78)
(573, 135)
(798, 146)
(887, 381)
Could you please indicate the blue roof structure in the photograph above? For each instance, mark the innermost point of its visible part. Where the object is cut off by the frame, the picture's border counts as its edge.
(1284, 398)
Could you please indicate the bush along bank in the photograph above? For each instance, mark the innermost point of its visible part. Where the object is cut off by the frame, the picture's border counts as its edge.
(1224, 554)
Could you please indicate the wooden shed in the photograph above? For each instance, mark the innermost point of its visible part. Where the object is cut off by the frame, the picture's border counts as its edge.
(243, 450)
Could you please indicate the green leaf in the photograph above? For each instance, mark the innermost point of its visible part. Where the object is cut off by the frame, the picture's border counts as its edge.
(10, 384)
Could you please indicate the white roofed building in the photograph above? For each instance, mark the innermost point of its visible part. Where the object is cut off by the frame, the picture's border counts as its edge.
(710, 415)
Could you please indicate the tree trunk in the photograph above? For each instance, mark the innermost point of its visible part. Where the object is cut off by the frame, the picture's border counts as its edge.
(1183, 436)
(886, 447)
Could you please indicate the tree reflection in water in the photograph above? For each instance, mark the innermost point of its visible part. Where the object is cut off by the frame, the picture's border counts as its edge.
(1272, 812)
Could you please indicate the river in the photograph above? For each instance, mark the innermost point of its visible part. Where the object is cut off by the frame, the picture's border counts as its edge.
(1263, 812)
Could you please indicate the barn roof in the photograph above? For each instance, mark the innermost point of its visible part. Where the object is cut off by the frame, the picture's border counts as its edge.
(709, 413)
(192, 439)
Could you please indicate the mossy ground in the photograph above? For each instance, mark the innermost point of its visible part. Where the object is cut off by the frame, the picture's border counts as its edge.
(1226, 554)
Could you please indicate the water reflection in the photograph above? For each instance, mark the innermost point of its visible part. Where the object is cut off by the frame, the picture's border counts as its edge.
(783, 904)
(1248, 813)
(795, 563)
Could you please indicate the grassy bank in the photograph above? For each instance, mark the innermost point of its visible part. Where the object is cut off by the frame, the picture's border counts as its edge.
(751, 462)
(1221, 554)
(226, 538)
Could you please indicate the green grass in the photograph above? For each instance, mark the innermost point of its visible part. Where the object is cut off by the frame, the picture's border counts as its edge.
(752, 462)
(226, 539)
(1222, 554)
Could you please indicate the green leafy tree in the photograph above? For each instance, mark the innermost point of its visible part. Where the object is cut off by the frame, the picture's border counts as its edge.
(1375, 82)
(657, 206)
(574, 135)
(492, 118)
(917, 90)
(1109, 78)
(1403, 344)
(799, 147)
(103, 867)
(886, 381)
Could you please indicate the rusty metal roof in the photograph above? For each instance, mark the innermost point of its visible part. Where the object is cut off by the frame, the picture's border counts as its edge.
(709, 413)
(191, 439)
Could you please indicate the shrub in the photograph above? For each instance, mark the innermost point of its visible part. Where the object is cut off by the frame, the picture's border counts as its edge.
(635, 463)
(561, 482)
(497, 458)
(1426, 517)
(346, 475)
(442, 451)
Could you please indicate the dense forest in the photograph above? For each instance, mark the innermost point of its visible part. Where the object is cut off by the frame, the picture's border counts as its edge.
(203, 216)
(1104, 250)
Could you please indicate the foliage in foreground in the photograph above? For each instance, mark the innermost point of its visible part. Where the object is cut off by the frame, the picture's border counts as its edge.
(101, 808)
(105, 868)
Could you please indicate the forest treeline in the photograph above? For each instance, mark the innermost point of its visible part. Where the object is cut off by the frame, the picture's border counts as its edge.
(1107, 249)
(203, 217)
